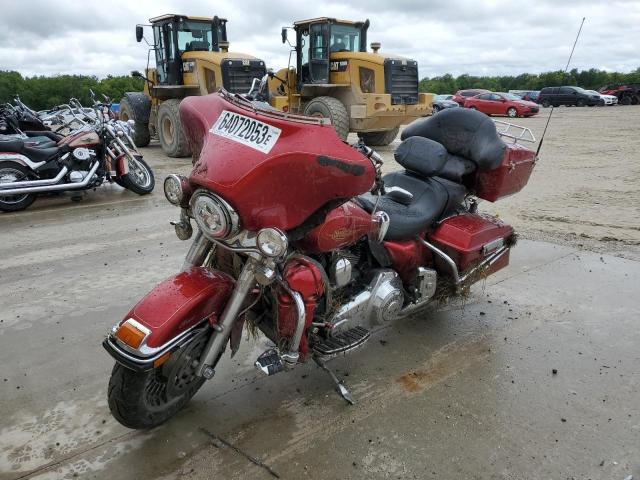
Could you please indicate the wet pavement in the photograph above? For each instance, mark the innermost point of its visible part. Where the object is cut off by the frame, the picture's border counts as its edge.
(465, 391)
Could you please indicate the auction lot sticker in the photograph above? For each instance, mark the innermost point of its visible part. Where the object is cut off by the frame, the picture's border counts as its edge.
(248, 131)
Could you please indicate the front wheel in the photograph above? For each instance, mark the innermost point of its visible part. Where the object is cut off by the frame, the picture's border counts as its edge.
(546, 103)
(334, 110)
(140, 178)
(580, 103)
(144, 400)
(512, 112)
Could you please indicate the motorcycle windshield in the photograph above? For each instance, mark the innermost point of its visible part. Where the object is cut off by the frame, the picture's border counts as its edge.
(275, 170)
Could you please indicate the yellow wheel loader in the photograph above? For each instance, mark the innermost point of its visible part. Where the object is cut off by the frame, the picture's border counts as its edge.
(335, 77)
(192, 58)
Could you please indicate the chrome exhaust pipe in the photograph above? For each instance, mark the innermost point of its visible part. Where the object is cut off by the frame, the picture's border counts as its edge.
(53, 188)
(35, 183)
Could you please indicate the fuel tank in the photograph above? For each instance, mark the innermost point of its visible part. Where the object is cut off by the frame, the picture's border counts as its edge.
(274, 169)
(343, 226)
(81, 139)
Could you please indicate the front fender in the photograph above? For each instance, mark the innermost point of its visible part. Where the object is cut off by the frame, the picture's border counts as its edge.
(168, 316)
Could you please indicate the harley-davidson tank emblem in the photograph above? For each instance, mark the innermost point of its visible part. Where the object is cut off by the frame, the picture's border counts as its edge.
(340, 234)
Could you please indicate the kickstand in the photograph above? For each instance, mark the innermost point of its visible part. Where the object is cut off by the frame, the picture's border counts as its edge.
(340, 388)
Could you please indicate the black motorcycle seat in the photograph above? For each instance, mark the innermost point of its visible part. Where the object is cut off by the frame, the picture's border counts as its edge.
(464, 132)
(11, 145)
(39, 154)
(432, 198)
(35, 154)
(428, 158)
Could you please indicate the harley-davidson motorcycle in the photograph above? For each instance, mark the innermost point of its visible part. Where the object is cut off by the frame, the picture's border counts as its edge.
(298, 235)
(99, 148)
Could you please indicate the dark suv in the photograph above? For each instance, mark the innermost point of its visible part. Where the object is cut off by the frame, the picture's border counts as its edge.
(567, 96)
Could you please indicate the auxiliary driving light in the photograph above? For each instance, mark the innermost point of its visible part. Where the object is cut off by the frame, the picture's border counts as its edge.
(174, 188)
(272, 242)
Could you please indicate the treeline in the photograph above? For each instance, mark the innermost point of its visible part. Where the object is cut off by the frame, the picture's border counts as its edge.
(45, 92)
(591, 79)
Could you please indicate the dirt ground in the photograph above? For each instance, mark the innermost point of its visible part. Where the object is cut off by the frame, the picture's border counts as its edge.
(585, 189)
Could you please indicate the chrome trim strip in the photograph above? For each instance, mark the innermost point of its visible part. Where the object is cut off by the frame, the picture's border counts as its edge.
(16, 157)
(145, 352)
(157, 352)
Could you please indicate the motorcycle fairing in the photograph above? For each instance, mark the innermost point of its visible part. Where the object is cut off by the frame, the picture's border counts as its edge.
(168, 312)
(307, 167)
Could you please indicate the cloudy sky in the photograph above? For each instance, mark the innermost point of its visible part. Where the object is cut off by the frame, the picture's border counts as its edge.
(44, 37)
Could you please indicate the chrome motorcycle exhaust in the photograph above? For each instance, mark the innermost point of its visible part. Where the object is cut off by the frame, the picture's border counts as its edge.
(34, 183)
(53, 188)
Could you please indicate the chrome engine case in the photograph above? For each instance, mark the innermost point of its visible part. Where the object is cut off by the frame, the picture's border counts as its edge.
(380, 302)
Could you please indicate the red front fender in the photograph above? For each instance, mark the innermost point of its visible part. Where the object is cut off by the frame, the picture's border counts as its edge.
(168, 312)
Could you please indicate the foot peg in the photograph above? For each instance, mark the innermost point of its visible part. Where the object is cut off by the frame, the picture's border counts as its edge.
(340, 388)
(269, 362)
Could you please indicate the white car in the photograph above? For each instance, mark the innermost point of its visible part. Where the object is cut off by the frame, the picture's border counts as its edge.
(607, 99)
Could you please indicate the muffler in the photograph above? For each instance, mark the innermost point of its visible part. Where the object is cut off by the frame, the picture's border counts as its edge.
(35, 183)
(51, 188)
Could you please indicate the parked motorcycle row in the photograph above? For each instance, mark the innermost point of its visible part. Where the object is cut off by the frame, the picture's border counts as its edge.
(298, 235)
(68, 148)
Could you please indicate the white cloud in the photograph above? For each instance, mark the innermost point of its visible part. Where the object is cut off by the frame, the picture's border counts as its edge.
(39, 37)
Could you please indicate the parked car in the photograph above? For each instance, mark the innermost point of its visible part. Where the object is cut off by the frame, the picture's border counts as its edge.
(577, 96)
(529, 95)
(461, 95)
(606, 99)
(498, 103)
(441, 102)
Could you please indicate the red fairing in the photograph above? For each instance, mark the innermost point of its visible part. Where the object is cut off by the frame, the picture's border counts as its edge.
(306, 167)
(406, 257)
(463, 237)
(181, 301)
(510, 177)
(303, 276)
(342, 227)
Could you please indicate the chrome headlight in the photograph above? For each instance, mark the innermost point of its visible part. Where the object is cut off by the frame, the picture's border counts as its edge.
(175, 187)
(214, 216)
(272, 242)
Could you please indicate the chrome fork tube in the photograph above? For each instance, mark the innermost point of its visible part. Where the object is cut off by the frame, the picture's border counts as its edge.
(218, 340)
(197, 252)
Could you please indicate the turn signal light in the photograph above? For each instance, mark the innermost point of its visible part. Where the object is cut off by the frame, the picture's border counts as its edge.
(130, 335)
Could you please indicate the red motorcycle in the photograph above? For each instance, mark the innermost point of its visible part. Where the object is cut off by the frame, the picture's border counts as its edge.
(299, 235)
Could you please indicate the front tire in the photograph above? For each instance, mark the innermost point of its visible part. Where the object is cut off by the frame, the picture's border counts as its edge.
(170, 131)
(580, 103)
(512, 112)
(144, 400)
(141, 136)
(546, 103)
(378, 139)
(334, 110)
(140, 178)
(14, 172)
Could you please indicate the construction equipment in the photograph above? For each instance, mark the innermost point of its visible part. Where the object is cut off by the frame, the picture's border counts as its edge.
(627, 93)
(192, 58)
(336, 78)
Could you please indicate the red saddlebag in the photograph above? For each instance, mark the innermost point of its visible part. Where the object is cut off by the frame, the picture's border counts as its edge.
(469, 238)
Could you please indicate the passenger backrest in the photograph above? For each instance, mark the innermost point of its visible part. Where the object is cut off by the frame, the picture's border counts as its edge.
(464, 132)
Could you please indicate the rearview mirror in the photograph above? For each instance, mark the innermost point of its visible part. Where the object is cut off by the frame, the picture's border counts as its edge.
(284, 34)
(139, 33)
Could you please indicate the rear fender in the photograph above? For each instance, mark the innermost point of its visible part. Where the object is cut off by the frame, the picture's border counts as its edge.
(168, 316)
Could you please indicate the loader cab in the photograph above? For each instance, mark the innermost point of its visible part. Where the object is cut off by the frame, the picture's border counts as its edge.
(174, 35)
(317, 39)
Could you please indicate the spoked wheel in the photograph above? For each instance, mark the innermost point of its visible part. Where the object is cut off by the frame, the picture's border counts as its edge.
(512, 112)
(14, 172)
(147, 399)
(140, 178)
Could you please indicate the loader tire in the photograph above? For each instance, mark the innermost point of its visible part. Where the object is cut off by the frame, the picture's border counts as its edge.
(378, 139)
(170, 131)
(334, 110)
(141, 136)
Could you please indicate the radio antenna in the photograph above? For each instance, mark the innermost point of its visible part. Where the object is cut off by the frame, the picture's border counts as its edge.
(565, 72)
